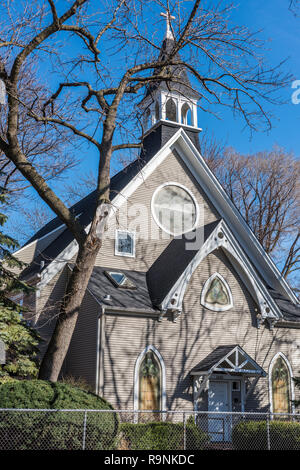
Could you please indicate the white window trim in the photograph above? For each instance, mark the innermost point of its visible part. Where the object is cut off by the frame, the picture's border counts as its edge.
(206, 287)
(173, 183)
(179, 102)
(292, 388)
(184, 114)
(119, 253)
(136, 378)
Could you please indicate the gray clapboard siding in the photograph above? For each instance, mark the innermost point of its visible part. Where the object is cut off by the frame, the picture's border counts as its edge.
(147, 250)
(81, 359)
(47, 307)
(28, 253)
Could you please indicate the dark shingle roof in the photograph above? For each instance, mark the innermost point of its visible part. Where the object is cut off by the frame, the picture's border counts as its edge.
(86, 204)
(290, 311)
(173, 261)
(99, 285)
(210, 362)
(213, 358)
(178, 72)
(53, 250)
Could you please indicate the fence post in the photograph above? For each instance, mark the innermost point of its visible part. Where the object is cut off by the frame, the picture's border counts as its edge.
(268, 432)
(84, 430)
(184, 430)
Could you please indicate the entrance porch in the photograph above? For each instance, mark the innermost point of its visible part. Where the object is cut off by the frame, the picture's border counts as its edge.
(219, 386)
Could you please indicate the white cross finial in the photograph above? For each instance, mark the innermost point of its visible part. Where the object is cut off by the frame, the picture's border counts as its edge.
(169, 34)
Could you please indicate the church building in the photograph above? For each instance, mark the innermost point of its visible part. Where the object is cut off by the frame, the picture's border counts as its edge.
(184, 309)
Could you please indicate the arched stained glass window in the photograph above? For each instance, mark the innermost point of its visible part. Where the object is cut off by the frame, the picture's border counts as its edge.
(216, 294)
(281, 387)
(150, 382)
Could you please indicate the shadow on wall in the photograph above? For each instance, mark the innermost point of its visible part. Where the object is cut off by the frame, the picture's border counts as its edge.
(258, 396)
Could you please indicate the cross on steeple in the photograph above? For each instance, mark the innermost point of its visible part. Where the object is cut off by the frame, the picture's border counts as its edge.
(168, 34)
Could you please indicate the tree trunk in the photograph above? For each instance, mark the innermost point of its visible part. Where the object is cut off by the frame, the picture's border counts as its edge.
(76, 287)
(69, 310)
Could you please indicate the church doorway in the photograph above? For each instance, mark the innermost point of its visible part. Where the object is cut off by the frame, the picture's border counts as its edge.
(224, 396)
(219, 401)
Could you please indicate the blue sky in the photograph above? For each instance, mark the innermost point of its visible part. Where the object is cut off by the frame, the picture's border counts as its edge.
(280, 28)
(282, 31)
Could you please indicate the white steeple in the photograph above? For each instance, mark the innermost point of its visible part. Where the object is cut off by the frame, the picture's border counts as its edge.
(174, 101)
(168, 33)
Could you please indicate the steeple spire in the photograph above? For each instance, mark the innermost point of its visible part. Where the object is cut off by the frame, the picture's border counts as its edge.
(173, 99)
(168, 33)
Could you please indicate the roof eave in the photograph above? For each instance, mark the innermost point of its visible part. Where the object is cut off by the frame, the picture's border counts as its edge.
(287, 324)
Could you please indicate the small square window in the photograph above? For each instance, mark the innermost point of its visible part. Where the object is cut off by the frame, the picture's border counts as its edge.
(125, 243)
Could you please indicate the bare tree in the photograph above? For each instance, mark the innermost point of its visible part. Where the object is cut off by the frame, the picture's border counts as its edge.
(212, 150)
(101, 56)
(293, 5)
(27, 219)
(265, 189)
(43, 147)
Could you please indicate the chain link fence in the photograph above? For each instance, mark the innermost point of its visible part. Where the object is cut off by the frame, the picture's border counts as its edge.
(146, 430)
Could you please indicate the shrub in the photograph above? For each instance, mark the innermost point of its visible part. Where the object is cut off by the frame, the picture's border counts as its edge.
(54, 429)
(253, 435)
(161, 436)
(78, 382)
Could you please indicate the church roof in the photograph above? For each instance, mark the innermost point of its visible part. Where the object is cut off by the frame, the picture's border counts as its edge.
(213, 358)
(173, 261)
(228, 358)
(86, 204)
(181, 82)
(153, 286)
(290, 311)
(137, 299)
(83, 209)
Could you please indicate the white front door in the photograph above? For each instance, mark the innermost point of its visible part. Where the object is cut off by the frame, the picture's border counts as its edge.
(218, 400)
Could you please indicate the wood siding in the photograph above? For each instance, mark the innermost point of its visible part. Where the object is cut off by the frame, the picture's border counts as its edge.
(139, 205)
(28, 253)
(81, 360)
(47, 306)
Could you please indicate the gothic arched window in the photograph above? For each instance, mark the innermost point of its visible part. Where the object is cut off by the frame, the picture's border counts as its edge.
(216, 294)
(150, 382)
(186, 115)
(171, 110)
(281, 386)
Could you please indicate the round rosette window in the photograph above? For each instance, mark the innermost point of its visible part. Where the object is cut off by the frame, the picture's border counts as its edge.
(174, 209)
